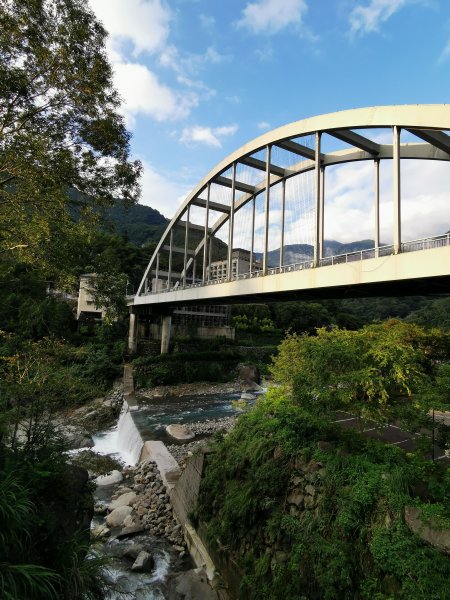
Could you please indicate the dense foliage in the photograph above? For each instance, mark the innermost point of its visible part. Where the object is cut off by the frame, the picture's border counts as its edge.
(352, 542)
(169, 369)
(60, 132)
(383, 372)
(310, 510)
(59, 127)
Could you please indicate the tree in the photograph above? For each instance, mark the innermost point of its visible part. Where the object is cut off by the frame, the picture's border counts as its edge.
(381, 372)
(59, 128)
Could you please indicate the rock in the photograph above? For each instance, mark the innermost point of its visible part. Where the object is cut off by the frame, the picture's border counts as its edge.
(100, 532)
(114, 477)
(438, 538)
(249, 374)
(76, 437)
(247, 396)
(277, 453)
(126, 499)
(133, 551)
(144, 562)
(295, 498)
(180, 432)
(129, 532)
(128, 521)
(117, 517)
(310, 489)
(325, 446)
(191, 585)
(100, 509)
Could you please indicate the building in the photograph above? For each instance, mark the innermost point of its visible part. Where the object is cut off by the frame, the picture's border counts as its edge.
(87, 310)
(240, 264)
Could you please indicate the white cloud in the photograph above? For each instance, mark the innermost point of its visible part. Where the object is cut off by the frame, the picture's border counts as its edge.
(142, 93)
(191, 63)
(445, 53)
(137, 27)
(368, 18)
(163, 192)
(145, 23)
(263, 125)
(271, 16)
(349, 201)
(209, 136)
(207, 21)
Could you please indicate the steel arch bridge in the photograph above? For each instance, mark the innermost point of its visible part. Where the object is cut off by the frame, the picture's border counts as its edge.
(197, 258)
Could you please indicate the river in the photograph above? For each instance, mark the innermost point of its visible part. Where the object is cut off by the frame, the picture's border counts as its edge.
(147, 421)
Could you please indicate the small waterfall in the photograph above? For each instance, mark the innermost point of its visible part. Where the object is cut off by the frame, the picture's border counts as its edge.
(129, 441)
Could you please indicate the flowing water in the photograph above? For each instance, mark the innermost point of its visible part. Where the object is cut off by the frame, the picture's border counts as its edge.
(124, 441)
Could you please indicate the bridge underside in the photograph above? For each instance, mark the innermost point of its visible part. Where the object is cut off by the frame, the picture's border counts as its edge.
(413, 273)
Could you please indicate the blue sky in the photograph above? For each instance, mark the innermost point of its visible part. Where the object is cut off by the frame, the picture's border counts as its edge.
(199, 78)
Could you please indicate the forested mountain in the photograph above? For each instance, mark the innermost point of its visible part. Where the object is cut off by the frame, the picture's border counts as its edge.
(140, 224)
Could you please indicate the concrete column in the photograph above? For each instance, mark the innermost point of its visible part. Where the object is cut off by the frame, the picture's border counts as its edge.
(266, 210)
(376, 164)
(397, 190)
(165, 333)
(132, 333)
(317, 196)
(283, 216)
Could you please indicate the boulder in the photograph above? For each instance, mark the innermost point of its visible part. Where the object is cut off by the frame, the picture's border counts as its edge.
(180, 432)
(100, 532)
(127, 499)
(117, 517)
(111, 479)
(75, 436)
(249, 374)
(127, 532)
(144, 562)
(438, 538)
(247, 396)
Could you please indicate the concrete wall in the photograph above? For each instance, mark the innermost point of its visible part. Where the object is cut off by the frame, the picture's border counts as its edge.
(185, 493)
(184, 330)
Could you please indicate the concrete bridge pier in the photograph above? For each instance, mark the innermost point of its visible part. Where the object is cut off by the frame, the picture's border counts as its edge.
(166, 322)
(133, 332)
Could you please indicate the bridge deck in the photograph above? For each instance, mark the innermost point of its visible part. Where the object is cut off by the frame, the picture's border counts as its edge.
(422, 272)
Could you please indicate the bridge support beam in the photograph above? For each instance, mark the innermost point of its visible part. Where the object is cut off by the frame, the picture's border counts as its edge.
(165, 333)
(376, 164)
(133, 332)
(318, 201)
(397, 189)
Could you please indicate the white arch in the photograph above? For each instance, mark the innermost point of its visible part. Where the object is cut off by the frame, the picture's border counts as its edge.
(427, 122)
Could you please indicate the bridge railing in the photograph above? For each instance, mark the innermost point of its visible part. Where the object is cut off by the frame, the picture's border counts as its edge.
(427, 243)
(358, 255)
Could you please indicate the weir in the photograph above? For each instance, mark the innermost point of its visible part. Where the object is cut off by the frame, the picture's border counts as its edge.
(129, 440)
(182, 488)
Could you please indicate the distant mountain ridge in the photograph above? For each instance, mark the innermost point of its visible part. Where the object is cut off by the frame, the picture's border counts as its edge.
(297, 253)
(140, 223)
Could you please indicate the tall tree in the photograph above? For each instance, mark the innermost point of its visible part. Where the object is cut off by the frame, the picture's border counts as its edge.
(59, 128)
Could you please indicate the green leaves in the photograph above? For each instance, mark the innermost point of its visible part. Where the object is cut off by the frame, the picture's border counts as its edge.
(379, 372)
(59, 128)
